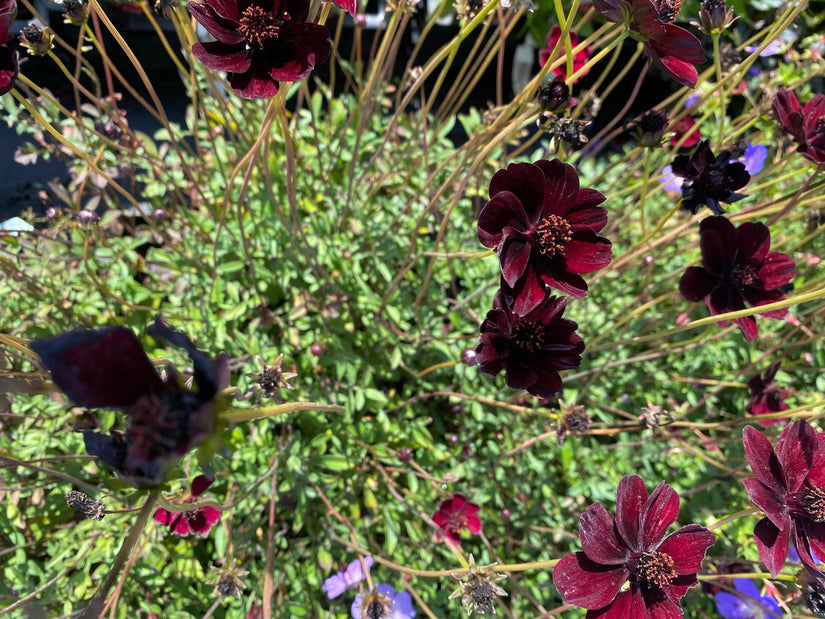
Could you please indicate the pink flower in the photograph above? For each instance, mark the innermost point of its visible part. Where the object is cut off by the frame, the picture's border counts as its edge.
(579, 60)
(456, 514)
(197, 521)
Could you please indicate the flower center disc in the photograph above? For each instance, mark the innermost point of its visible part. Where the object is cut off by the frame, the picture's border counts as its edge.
(528, 335)
(815, 504)
(259, 27)
(655, 569)
(553, 234)
(743, 275)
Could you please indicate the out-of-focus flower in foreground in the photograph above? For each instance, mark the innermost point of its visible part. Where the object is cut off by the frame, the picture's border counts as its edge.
(456, 514)
(627, 567)
(198, 520)
(767, 397)
(579, 60)
(260, 42)
(748, 603)
(737, 271)
(806, 126)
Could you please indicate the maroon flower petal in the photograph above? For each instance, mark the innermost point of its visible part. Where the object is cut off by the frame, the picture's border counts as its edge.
(772, 545)
(202, 520)
(763, 460)
(586, 215)
(696, 284)
(529, 292)
(748, 327)
(631, 497)
(522, 180)
(200, 485)
(103, 368)
(8, 69)
(514, 255)
(564, 281)
(816, 476)
(682, 71)
(659, 512)
(718, 244)
(788, 111)
(753, 239)
(219, 20)
(795, 451)
(221, 57)
(776, 270)
(254, 83)
(561, 187)
(584, 255)
(598, 537)
(814, 533)
(769, 501)
(504, 210)
(587, 584)
(346, 5)
(687, 548)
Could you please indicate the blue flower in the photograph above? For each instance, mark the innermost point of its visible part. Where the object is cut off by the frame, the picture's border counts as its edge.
(754, 158)
(383, 602)
(336, 585)
(748, 604)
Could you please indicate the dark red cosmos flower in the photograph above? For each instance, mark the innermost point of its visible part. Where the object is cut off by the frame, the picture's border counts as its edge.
(627, 567)
(685, 125)
(709, 179)
(545, 230)
(108, 368)
(456, 514)
(197, 521)
(260, 42)
(767, 397)
(807, 126)
(671, 48)
(737, 269)
(8, 56)
(579, 60)
(789, 486)
(531, 349)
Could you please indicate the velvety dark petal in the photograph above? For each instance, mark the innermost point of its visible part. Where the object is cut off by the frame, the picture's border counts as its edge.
(529, 291)
(218, 56)
(658, 513)
(598, 537)
(523, 180)
(763, 460)
(110, 449)
(593, 217)
(254, 83)
(696, 283)
(631, 496)
(8, 69)
(813, 113)
(563, 280)
(718, 244)
(680, 70)
(200, 484)
(610, 9)
(748, 327)
(814, 534)
(795, 450)
(627, 605)
(816, 476)
(788, 112)
(219, 19)
(687, 547)
(776, 271)
(682, 44)
(202, 520)
(103, 368)
(547, 384)
(504, 210)
(753, 240)
(587, 584)
(664, 608)
(514, 255)
(586, 256)
(723, 299)
(561, 187)
(772, 545)
(346, 5)
(769, 501)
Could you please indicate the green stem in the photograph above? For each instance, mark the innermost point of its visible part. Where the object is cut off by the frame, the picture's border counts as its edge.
(717, 61)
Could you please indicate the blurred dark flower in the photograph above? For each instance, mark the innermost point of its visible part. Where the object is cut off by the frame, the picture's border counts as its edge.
(478, 588)
(807, 126)
(575, 421)
(579, 60)
(812, 584)
(671, 48)
(545, 230)
(382, 603)
(748, 603)
(714, 15)
(8, 56)
(198, 520)
(260, 42)
(346, 579)
(789, 486)
(531, 349)
(650, 127)
(767, 397)
(685, 125)
(709, 179)
(107, 368)
(627, 568)
(229, 582)
(75, 12)
(456, 514)
(737, 271)
(554, 96)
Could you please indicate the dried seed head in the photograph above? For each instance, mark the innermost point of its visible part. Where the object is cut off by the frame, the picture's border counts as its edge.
(229, 582)
(272, 378)
(36, 40)
(478, 588)
(93, 510)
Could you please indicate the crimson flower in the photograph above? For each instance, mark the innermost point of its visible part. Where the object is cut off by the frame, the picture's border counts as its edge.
(767, 397)
(807, 126)
(627, 567)
(671, 48)
(197, 521)
(456, 514)
(709, 179)
(108, 368)
(737, 270)
(545, 230)
(531, 349)
(8, 56)
(260, 42)
(579, 60)
(684, 125)
(789, 486)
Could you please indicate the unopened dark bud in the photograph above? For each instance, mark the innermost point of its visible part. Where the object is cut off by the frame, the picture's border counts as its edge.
(714, 15)
(555, 96)
(86, 217)
(75, 12)
(469, 356)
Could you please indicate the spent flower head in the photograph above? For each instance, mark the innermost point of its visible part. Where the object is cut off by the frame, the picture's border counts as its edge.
(478, 588)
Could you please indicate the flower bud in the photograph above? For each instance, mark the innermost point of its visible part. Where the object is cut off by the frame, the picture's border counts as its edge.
(36, 40)
(554, 96)
(714, 15)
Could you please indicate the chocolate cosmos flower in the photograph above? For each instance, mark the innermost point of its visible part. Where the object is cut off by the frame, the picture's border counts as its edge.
(579, 60)
(737, 270)
(197, 521)
(8, 56)
(531, 349)
(456, 514)
(789, 486)
(260, 42)
(806, 126)
(627, 567)
(545, 230)
(107, 368)
(709, 179)
(671, 48)
(767, 397)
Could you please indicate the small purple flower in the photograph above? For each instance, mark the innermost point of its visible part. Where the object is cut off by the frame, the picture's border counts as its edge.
(336, 585)
(749, 604)
(754, 158)
(383, 602)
